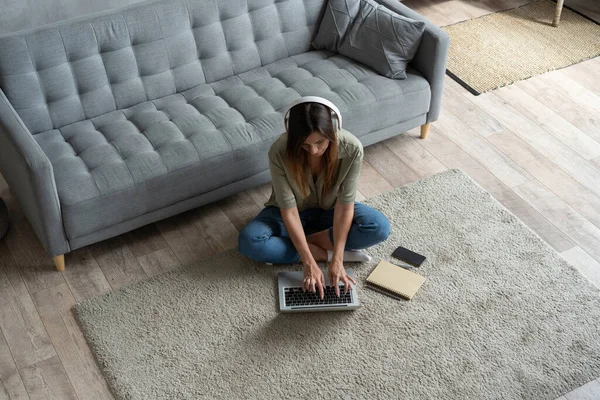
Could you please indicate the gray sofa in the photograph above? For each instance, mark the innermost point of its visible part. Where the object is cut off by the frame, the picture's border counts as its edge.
(119, 119)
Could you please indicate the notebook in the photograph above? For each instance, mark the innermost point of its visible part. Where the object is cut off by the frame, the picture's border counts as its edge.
(394, 280)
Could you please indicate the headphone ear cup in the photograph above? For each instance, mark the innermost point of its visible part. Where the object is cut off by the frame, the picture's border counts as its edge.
(334, 121)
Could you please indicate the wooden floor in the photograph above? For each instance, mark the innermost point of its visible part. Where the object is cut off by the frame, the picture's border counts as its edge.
(535, 146)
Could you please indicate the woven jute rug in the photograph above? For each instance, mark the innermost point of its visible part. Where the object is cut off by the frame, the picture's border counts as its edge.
(508, 46)
(501, 316)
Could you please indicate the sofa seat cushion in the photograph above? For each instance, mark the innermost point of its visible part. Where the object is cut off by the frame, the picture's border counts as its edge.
(129, 162)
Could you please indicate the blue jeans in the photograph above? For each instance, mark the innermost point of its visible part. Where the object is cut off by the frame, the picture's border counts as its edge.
(265, 238)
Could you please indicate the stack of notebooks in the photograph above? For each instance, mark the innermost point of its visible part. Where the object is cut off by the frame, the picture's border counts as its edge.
(394, 280)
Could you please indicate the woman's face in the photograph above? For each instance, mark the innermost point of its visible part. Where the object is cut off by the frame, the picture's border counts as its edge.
(315, 144)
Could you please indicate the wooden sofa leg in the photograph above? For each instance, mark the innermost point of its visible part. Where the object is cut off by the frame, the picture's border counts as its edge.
(558, 12)
(424, 130)
(59, 261)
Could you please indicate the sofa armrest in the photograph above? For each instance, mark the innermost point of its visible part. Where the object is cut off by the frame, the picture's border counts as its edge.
(30, 176)
(431, 56)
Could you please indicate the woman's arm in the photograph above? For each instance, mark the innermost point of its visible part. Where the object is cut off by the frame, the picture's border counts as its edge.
(291, 219)
(343, 215)
(342, 221)
(313, 276)
(344, 206)
(286, 200)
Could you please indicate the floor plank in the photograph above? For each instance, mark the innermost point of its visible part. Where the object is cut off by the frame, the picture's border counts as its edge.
(563, 105)
(426, 8)
(585, 75)
(585, 263)
(260, 194)
(22, 327)
(239, 209)
(475, 9)
(35, 265)
(569, 221)
(48, 380)
(499, 5)
(486, 154)
(556, 151)
(11, 384)
(216, 228)
(389, 166)
(184, 238)
(453, 156)
(593, 63)
(452, 9)
(371, 183)
(84, 276)
(589, 391)
(145, 240)
(477, 119)
(54, 305)
(547, 173)
(544, 117)
(415, 156)
(574, 89)
(360, 197)
(158, 262)
(11, 270)
(117, 262)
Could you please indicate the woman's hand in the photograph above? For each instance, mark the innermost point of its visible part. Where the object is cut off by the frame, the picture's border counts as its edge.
(337, 273)
(313, 278)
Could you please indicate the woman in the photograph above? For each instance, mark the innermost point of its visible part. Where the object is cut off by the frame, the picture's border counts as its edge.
(311, 215)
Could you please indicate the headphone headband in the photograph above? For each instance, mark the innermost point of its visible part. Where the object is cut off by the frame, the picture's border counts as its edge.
(314, 99)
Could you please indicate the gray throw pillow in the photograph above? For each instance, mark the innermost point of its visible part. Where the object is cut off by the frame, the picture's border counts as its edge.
(370, 33)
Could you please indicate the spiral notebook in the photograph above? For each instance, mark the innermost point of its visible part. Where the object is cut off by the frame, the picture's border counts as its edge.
(394, 280)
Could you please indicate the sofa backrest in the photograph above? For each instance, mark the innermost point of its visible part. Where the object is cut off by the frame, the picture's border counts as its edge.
(79, 69)
(21, 15)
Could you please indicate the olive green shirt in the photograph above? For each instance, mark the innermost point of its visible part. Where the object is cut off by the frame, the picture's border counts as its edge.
(286, 193)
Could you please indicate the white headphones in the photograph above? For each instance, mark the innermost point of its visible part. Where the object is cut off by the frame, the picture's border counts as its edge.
(336, 116)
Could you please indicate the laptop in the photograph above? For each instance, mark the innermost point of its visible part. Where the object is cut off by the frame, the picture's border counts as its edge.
(293, 299)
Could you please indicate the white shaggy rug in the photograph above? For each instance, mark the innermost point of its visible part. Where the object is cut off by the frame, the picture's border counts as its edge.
(501, 316)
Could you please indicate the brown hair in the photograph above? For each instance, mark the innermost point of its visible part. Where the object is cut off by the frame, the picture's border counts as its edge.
(304, 119)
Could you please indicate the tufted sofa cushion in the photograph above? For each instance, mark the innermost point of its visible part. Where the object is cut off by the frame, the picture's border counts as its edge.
(72, 72)
(123, 164)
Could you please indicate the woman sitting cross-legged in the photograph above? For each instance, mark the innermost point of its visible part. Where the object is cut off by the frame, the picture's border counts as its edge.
(311, 215)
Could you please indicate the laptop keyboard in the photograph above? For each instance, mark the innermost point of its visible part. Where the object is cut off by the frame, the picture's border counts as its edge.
(294, 296)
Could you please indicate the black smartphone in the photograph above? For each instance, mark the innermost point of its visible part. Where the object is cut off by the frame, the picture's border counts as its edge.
(408, 256)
